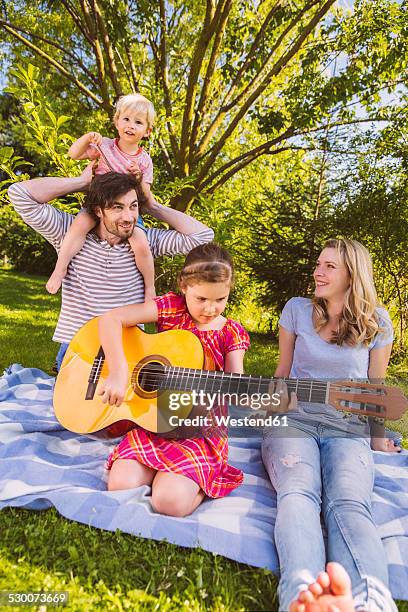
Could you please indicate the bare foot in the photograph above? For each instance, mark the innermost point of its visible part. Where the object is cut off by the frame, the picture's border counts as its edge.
(54, 282)
(330, 593)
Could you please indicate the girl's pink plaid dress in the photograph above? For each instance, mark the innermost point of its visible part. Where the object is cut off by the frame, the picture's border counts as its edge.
(204, 460)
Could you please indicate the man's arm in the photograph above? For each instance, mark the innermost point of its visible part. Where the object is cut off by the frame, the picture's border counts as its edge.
(50, 187)
(185, 224)
(29, 197)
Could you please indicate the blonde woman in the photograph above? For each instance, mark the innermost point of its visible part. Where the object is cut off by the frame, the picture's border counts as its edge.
(322, 462)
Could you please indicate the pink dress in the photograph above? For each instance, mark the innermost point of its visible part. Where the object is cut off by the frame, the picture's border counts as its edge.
(113, 159)
(204, 460)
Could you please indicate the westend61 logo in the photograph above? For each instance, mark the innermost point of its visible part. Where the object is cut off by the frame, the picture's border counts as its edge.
(185, 403)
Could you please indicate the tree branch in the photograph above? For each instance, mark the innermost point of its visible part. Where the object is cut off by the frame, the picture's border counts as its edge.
(274, 71)
(166, 158)
(135, 82)
(77, 20)
(160, 55)
(197, 59)
(260, 77)
(100, 63)
(251, 56)
(225, 177)
(59, 67)
(108, 49)
(55, 45)
(251, 155)
(206, 88)
(243, 160)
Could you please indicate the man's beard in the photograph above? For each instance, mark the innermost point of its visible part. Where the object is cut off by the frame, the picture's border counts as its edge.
(119, 232)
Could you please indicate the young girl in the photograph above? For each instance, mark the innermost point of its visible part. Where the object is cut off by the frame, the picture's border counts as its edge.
(322, 462)
(133, 119)
(181, 472)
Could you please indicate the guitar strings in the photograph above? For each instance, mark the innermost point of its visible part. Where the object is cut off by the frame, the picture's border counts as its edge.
(182, 375)
(151, 373)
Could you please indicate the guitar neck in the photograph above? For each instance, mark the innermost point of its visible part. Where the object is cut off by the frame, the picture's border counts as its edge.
(212, 382)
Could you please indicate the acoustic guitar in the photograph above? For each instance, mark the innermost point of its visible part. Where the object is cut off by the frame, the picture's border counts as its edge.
(172, 361)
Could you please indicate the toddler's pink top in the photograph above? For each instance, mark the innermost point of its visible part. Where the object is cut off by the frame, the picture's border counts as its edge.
(113, 159)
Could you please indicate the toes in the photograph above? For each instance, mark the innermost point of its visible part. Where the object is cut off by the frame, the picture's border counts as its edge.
(295, 606)
(306, 597)
(324, 580)
(316, 588)
(340, 583)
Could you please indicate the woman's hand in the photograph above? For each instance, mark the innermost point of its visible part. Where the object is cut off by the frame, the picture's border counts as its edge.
(280, 400)
(386, 445)
(114, 388)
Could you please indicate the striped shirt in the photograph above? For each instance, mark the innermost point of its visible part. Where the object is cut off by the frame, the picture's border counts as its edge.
(100, 276)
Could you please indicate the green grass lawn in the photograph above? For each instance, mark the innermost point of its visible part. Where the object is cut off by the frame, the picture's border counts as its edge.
(103, 570)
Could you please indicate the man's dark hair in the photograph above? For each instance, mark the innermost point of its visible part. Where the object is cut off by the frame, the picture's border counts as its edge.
(105, 189)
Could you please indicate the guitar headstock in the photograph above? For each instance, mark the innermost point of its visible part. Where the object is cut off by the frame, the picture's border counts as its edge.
(368, 399)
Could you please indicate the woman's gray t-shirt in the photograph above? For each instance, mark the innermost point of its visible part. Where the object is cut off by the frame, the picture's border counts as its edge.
(315, 358)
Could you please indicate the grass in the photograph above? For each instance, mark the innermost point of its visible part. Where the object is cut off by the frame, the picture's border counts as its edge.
(103, 570)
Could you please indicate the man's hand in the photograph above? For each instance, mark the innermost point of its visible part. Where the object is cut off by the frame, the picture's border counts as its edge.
(86, 176)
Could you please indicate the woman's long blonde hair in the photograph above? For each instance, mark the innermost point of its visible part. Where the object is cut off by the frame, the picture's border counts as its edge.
(359, 320)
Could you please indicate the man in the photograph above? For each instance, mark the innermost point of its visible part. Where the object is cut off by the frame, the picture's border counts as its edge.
(103, 274)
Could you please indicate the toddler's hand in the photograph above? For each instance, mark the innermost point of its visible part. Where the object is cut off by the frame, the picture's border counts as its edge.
(135, 170)
(94, 138)
(114, 388)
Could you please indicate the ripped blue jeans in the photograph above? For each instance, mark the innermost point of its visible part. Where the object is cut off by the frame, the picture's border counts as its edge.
(321, 473)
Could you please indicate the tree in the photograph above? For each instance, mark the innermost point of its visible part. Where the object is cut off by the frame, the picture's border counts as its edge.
(293, 217)
(233, 80)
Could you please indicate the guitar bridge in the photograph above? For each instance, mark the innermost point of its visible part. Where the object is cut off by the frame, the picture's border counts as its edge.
(95, 374)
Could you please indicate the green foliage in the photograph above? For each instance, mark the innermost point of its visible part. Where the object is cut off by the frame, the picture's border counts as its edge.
(19, 244)
(257, 76)
(293, 218)
(374, 210)
(37, 123)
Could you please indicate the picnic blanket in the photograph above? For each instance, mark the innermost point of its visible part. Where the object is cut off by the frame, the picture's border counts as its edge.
(43, 465)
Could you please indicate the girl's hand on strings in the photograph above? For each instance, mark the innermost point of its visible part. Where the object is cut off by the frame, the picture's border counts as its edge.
(114, 388)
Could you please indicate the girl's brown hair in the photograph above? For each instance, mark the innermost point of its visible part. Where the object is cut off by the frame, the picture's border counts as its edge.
(359, 319)
(207, 263)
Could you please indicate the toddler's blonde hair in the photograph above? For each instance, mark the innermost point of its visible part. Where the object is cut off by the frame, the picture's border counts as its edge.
(136, 103)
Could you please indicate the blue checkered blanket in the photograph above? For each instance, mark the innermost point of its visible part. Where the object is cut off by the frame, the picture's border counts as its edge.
(43, 465)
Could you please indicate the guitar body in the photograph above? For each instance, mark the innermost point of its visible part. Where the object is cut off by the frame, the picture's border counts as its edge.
(143, 352)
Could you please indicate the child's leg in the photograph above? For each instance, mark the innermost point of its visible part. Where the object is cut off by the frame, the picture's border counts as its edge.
(129, 474)
(73, 242)
(175, 494)
(144, 260)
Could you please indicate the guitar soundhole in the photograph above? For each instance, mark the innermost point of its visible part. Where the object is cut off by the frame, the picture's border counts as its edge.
(147, 376)
(150, 375)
